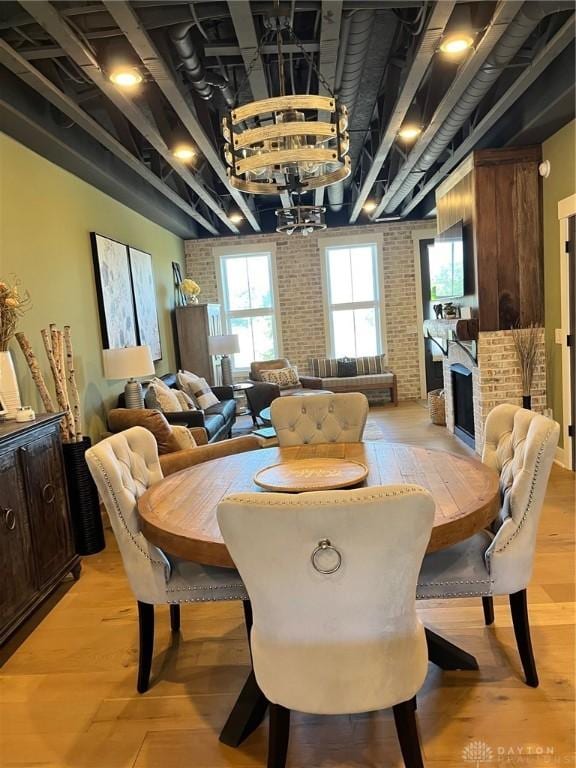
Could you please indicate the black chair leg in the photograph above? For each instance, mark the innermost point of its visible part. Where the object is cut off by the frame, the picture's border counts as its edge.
(407, 730)
(488, 605)
(146, 624)
(519, 608)
(175, 618)
(278, 736)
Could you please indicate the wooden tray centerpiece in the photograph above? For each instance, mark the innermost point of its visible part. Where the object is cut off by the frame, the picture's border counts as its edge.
(315, 474)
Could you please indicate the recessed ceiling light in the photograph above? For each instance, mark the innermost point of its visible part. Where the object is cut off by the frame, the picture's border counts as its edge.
(184, 152)
(457, 43)
(126, 77)
(236, 218)
(369, 206)
(409, 132)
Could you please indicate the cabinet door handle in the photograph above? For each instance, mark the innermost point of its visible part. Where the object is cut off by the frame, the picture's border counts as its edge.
(9, 519)
(48, 493)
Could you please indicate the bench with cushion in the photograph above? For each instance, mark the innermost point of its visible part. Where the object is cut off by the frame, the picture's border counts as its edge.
(372, 377)
(216, 420)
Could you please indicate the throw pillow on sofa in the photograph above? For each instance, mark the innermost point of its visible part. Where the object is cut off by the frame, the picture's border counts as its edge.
(187, 381)
(184, 437)
(162, 398)
(285, 378)
(186, 402)
(202, 393)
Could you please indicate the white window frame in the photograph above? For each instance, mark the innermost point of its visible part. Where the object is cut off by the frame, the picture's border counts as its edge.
(269, 250)
(325, 244)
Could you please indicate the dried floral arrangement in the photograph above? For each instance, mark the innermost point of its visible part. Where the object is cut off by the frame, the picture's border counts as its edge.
(14, 302)
(526, 343)
(58, 346)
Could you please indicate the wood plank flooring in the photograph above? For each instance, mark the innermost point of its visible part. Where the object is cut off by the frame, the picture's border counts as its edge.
(68, 699)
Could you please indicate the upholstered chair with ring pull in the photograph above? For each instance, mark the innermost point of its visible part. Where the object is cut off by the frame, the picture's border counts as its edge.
(320, 418)
(520, 445)
(334, 632)
(124, 466)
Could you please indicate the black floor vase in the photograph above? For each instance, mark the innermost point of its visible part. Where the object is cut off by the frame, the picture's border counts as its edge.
(83, 497)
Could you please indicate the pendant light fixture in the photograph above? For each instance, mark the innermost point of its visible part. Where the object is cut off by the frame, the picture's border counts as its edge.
(279, 144)
(301, 218)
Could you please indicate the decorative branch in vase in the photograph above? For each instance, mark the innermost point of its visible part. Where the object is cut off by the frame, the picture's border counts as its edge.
(84, 504)
(14, 303)
(526, 345)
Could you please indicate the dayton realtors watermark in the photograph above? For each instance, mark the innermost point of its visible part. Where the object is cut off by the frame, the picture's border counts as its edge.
(479, 754)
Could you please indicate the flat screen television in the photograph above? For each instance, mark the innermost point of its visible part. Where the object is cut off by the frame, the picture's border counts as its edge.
(446, 261)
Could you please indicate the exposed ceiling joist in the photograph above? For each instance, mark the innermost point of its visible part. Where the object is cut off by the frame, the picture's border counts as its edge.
(505, 11)
(246, 33)
(48, 17)
(223, 50)
(329, 45)
(144, 46)
(36, 80)
(427, 48)
(551, 50)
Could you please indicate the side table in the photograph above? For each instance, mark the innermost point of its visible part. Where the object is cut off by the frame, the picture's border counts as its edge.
(239, 388)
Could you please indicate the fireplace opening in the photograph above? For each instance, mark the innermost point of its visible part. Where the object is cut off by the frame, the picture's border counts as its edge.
(463, 399)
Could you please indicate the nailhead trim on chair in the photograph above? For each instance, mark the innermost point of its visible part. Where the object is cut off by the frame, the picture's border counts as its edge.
(210, 599)
(466, 581)
(530, 500)
(123, 521)
(406, 489)
(203, 588)
(442, 595)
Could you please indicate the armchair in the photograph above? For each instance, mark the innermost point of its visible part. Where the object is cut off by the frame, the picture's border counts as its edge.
(262, 394)
(306, 382)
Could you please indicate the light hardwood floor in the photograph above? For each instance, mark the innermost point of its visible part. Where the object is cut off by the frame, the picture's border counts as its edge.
(68, 699)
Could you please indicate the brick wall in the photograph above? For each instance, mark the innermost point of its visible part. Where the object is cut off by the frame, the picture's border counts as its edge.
(496, 379)
(299, 276)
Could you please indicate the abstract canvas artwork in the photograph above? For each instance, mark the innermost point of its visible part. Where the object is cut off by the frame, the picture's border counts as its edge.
(114, 289)
(145, 301)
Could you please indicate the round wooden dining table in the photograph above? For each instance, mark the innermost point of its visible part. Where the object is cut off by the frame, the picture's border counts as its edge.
(178, 514)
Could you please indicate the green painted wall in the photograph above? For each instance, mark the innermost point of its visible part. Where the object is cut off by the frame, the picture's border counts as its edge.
(46, 215)
(560, 150)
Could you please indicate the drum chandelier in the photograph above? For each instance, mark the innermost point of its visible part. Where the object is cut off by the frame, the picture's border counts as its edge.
(287, 143)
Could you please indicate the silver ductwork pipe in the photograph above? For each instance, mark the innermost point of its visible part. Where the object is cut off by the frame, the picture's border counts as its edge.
(418, 162)
(356, 31)
(202, 81)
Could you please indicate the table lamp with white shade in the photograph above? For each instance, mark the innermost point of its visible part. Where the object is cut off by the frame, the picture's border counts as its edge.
(222, 347)
(129, 363)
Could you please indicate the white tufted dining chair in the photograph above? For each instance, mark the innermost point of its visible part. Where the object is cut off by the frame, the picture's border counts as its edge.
(520, 446)
(124, 466)
(322, 642)
(330, 418)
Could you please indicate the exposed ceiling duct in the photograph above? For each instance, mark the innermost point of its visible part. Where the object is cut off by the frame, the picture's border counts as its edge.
(202, 81)
(357, 29)
(544, 58)
(422, 158)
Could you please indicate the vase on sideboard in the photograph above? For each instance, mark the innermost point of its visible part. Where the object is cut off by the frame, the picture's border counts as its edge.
(9, 392)
(527, 402)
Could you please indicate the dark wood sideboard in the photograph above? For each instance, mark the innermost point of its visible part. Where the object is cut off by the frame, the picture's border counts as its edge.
(36, 540)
